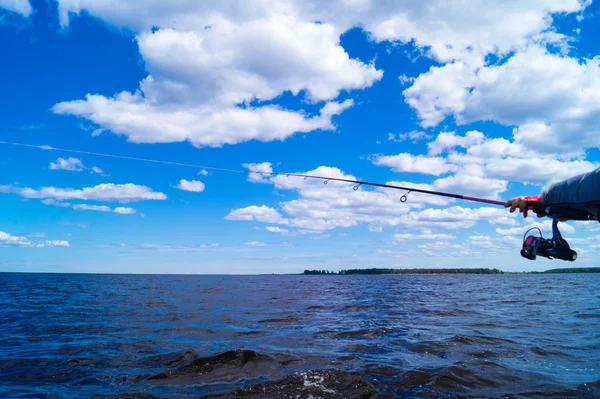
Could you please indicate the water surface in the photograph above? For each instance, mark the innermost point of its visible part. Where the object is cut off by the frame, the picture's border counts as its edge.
(421, 336)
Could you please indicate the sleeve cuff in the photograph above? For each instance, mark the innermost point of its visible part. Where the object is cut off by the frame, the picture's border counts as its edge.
(534, 198)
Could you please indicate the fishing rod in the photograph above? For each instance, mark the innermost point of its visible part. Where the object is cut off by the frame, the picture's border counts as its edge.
(555, 247)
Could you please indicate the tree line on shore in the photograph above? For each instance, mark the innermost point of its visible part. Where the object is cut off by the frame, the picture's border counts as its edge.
(409, 271)
(447, 271)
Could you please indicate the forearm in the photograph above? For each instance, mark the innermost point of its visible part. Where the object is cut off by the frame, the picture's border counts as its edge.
(581, 191)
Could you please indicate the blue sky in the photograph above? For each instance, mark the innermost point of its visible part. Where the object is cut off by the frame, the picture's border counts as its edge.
(491, 100)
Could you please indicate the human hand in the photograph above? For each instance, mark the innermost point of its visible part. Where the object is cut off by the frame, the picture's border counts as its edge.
(522, 204)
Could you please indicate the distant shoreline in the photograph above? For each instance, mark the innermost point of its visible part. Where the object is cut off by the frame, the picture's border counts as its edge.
(575, 270)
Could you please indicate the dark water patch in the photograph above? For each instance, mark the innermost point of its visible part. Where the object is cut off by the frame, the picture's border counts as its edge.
(283, 320)
(229, 366)
(588, 316)
(480, 340)
(315, 307)
(309, 385)
(430, 347)
(441, 383)
(583, 391)
(548, 353)
(166, 360)
(255, 333)
(484, 354)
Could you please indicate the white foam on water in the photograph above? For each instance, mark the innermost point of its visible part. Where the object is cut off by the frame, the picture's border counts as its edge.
(317, 382)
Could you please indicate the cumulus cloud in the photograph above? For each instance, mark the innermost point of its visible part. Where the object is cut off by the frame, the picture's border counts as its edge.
(449, 140)
(551, 98)
(57, 243)
(195, 186)
(258, 171)
(201, 71)
(205, 58)
(19, 6)
(72, 164)
(406, 162)
(124, 211)
(447, 30)
(261, 213)
(131, 115)
(483, 166)
(545, 226)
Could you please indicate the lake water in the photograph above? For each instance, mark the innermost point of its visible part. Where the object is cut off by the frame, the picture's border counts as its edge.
(272, 336)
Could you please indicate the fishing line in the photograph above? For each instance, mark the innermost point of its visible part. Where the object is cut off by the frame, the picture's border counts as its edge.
(325, 179)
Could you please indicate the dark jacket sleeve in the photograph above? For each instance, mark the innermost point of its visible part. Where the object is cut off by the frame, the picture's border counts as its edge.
(581, 192)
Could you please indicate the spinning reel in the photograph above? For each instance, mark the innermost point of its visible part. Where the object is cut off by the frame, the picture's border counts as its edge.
(552, 248)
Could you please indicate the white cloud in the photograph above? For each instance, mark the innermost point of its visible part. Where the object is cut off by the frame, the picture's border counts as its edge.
(449, 140)
(19, 6)
(275, 229)
(86, 207)
(551, 98)
(178, 248)
(57, 243)
(406, 162)
(102, 192)
(9, 240)
(199, 75)
(536, 170)
(258, 171)
(505, 220)
(50, 201)
(195, 186)
(483, 166)
(545, 226)
(124, 211)
(255, 244)
(72, 164)
(449, 29)
(259, 213)
(464, 183)
(205, 58)
(203, 172)
(130, 115)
